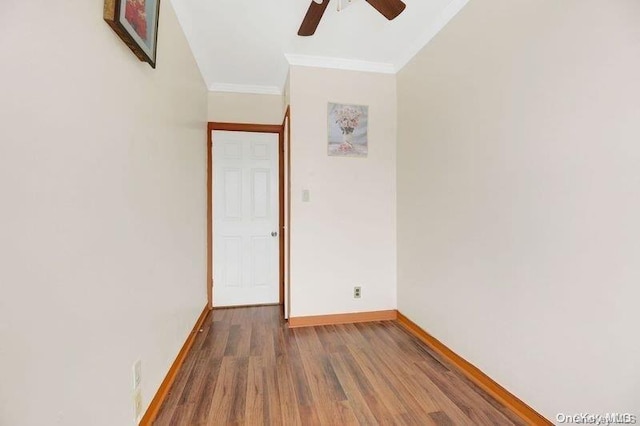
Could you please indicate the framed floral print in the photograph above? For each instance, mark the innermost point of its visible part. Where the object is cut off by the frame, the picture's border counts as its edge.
(347, 130)
(136, 22)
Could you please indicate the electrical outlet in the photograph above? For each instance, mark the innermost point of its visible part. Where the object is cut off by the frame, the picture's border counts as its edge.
(137, 405)
(137, 374)
(357, 292)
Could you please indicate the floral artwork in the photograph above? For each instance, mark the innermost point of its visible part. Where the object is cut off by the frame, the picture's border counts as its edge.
(136, 15)
(348, 130)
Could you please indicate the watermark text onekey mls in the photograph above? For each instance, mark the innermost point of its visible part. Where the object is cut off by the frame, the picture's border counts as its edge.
(597, 419)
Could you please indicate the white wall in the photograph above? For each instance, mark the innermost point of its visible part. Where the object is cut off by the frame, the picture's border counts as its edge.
(518, 207)
(102, 212)
(346, 234)
(250, 108)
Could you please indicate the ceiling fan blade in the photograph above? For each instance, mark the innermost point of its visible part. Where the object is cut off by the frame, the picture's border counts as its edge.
(389, 8)
(312, 18)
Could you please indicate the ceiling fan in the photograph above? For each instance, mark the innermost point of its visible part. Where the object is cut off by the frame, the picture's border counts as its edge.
(390, 9)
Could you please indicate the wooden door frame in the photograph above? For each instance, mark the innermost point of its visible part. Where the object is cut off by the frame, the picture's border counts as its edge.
(286, 125)
(252, 128)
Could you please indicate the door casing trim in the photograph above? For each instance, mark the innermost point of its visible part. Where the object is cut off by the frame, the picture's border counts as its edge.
(253, 128)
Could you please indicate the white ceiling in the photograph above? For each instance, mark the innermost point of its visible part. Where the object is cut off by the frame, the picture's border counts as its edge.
(247, 45)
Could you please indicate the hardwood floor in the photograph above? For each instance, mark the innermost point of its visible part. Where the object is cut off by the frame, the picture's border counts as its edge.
(247, 367)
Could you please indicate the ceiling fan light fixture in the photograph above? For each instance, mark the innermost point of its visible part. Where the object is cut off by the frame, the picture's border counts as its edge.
(343, 4)
(390, 9)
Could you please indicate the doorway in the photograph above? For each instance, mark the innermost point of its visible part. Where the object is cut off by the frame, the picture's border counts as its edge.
(245, 214)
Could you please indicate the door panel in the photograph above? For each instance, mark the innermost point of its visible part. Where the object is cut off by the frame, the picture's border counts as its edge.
(260, 193)
(232, 193)
(245, 193)
(231, 265)
(260, 265)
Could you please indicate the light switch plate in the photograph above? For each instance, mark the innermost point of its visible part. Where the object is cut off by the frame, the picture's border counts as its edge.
(306, 196)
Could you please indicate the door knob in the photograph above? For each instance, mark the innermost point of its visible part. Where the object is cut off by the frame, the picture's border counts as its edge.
(274, 234)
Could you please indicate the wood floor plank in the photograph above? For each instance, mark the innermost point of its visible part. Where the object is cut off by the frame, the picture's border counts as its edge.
(343, 413)
(308, 341)
(382, 413)
(255, 405)
(322, 379)
(388, 395)
(476, 408)
(355, 371)
(247, 367)
(193, 388)
(441, 418)
(258, 340)
(298, 375)
(222, 400)
(289, 407)
(182, 414)
(401, 385)
(309, 416)
(219, 335)
(408, 383)
(239, 391)
(352, 390)
(273, 406)
(331, 339)
(203, 406)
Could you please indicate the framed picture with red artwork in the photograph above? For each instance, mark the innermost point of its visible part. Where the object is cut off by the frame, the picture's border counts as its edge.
(136, 22)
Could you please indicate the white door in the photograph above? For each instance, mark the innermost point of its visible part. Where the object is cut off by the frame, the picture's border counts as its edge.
(245, 219)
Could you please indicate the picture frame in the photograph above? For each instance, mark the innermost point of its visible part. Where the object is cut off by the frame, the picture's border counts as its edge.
(347, 130)
(136, 23)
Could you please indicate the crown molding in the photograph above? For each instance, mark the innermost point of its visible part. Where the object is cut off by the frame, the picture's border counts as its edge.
(438, 24)
(245, 88)
(340, 63)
